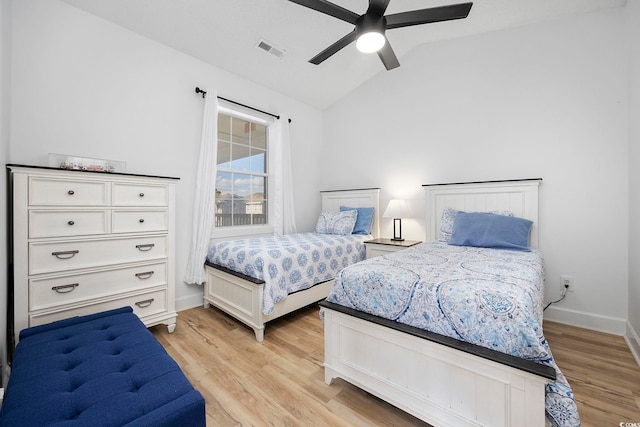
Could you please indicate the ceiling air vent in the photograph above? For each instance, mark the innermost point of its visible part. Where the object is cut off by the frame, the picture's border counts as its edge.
(269, 48)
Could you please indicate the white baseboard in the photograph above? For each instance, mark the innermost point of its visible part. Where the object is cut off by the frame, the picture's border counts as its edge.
(190, 301)
(610, 325)
(633, 341)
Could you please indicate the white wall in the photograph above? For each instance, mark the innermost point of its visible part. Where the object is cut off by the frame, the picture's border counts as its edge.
(5, 94)
(547, 100)
(84, 86)
(633, 38)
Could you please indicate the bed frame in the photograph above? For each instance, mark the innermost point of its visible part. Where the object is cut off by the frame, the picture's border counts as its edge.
(437, 379)
(241, 296)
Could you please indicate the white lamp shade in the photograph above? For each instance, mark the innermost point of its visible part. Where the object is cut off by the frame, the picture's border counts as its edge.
(395, 209)
(370, 42)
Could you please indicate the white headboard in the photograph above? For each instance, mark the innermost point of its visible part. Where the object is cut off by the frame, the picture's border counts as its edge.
(363, 198)
(517, 196)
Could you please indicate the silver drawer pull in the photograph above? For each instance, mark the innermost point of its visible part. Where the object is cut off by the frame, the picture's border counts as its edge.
(141, 194)
(145, 303)
(65, 254)
(65, 289)
(70, 222)
(141, 220)
(71, 192)
(144, 275)
(145, 247)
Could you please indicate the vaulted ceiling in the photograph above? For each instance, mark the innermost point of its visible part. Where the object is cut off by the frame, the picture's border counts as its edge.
(225, 33)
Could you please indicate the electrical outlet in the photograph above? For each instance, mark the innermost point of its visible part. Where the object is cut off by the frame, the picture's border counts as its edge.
(567, 282)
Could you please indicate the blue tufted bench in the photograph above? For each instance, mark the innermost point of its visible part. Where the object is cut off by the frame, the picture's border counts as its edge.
(104, 369)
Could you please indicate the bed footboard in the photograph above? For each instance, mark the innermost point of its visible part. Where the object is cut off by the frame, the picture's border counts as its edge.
(433, 382)
(237, 297)
(242, 298)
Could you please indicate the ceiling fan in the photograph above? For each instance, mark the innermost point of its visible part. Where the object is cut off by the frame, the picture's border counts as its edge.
(370, 27)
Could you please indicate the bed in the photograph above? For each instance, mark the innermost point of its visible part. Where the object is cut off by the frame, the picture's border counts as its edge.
(457, 340)
(254, 296)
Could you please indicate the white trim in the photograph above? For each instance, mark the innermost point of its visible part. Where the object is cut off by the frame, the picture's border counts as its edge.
(190, 301)
(633, 341)
(581, 319)
(239, 232)
(241, 115)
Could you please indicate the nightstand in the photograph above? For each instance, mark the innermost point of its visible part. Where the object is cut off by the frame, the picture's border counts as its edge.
(377, 247)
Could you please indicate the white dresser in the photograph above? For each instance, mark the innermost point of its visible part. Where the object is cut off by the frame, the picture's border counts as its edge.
(84, 242)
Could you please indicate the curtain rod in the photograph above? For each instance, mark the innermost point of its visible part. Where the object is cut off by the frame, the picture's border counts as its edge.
(203, 92)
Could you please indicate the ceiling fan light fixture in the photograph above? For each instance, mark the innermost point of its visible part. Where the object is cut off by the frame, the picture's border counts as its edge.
(370, 42)
(370, 28)
(370, 33)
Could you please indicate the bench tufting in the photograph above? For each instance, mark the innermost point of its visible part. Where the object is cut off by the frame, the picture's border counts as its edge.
(104, 369)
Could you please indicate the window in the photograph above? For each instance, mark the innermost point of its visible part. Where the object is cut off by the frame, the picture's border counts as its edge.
(242, 171)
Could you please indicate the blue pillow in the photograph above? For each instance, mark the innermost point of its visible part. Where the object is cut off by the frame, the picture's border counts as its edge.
(363, 220)
(449, 216)
(487, 230)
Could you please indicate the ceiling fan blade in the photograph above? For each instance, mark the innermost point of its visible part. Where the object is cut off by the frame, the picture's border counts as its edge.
(349, 38)
(378, 7)
(330, 9)
(388, 57)
(425, 16)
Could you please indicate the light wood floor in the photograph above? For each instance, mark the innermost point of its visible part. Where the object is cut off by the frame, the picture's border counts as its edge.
(280, 382)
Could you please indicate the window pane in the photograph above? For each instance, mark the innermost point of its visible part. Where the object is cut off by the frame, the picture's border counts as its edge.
(224, 154)
(258, 185)
(240, 130)
(224, 200)
(224, 127)
(241, 186)
(240, 157)
(259, 212)
(259, 137)
(224, 185)
(258, 161)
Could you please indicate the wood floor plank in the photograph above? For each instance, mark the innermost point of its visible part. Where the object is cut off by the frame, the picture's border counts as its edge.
(603, 374)
(280, 382)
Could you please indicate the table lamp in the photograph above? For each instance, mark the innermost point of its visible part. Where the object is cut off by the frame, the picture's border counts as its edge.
(395, 209)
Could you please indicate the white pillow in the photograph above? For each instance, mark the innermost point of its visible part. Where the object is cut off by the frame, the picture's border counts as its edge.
(342, 223)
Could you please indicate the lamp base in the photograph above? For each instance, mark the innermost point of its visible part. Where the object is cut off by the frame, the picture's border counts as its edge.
(397, 230)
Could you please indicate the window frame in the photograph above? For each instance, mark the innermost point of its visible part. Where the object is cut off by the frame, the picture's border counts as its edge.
(252, 230)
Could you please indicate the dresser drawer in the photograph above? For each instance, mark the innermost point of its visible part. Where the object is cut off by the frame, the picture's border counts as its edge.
(140, 195)
(60, 192)
(143, 304)
(140, 221)
(56, 291)
(66, 223)
(49, 257)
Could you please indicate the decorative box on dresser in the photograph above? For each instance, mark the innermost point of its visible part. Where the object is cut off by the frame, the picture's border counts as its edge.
(381, 246)
(83, 242)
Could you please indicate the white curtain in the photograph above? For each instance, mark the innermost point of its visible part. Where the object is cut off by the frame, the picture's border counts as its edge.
(204, 204)
(284, 213)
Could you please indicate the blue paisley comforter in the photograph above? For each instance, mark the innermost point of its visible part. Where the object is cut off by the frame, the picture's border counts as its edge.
(489, 297)
(289, 263)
